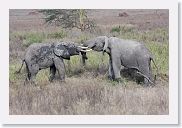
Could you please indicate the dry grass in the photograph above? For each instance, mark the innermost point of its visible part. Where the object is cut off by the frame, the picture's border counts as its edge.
(88, 96)
(87, 90)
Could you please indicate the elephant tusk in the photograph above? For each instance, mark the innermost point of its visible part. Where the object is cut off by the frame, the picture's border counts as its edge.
(82, 47)
(86, 50)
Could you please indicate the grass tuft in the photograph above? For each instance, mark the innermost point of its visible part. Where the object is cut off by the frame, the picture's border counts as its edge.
(57, 35)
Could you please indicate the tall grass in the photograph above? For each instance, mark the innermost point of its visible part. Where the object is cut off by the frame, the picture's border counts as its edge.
(88, 97)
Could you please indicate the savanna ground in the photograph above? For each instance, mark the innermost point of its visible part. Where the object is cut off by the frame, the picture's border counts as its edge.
(87, 89)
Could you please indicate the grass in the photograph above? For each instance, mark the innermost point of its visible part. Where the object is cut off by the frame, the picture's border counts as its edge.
(161, 56)
(13, 77)
(87, 97)
(116, 29)
(31, 37)
(157, 35)
(58, 35)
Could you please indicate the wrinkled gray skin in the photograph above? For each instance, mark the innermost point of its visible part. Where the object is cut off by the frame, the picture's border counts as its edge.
(45, 55)
(130, 54)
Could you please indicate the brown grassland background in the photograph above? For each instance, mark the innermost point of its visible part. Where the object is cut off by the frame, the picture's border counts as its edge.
(87, 89)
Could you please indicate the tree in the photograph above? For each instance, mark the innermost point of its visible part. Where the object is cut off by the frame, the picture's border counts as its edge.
(69, 18)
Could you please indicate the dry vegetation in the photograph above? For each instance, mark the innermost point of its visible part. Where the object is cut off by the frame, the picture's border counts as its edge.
(87, 89)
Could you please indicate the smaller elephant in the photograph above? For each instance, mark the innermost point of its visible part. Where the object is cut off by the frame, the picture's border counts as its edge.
(130, 54)
(46, 55)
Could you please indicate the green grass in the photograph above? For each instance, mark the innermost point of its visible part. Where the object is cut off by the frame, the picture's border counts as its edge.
(157, 35)
(161, 56)
(13, 67)
(116, 29)
(57, 35)
(31, 37)
(128, 28)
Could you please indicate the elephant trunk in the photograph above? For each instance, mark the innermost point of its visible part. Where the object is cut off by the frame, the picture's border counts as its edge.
(84, 57)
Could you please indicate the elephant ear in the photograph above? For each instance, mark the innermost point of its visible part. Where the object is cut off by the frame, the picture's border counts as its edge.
(61, 51)
(105, 44)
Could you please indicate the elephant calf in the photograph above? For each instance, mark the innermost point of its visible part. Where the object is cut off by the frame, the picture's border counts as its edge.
(127, 53)
(46, 55)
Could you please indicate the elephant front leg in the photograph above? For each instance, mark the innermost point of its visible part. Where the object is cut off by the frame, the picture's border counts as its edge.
(59, 65)
(52, 73)
(116, 66)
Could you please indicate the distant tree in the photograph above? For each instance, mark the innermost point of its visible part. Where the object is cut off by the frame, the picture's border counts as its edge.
(69, 18)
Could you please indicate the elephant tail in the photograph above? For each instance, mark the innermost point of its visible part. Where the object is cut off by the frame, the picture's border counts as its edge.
(156, 68)
(17, 72)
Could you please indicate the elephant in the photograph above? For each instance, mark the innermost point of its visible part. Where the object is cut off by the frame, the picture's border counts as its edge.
(50, 55)
(130, 54)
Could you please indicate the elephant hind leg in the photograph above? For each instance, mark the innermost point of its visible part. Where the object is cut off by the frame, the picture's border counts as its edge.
(32, 71)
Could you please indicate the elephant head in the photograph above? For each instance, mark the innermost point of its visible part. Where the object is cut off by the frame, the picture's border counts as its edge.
(98, 44)
(65, 50)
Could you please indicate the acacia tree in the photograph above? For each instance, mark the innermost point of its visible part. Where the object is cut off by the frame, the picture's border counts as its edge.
(69, 18)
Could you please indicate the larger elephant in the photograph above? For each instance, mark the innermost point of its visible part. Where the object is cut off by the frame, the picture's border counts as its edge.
(127, 53)
(46, 55)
